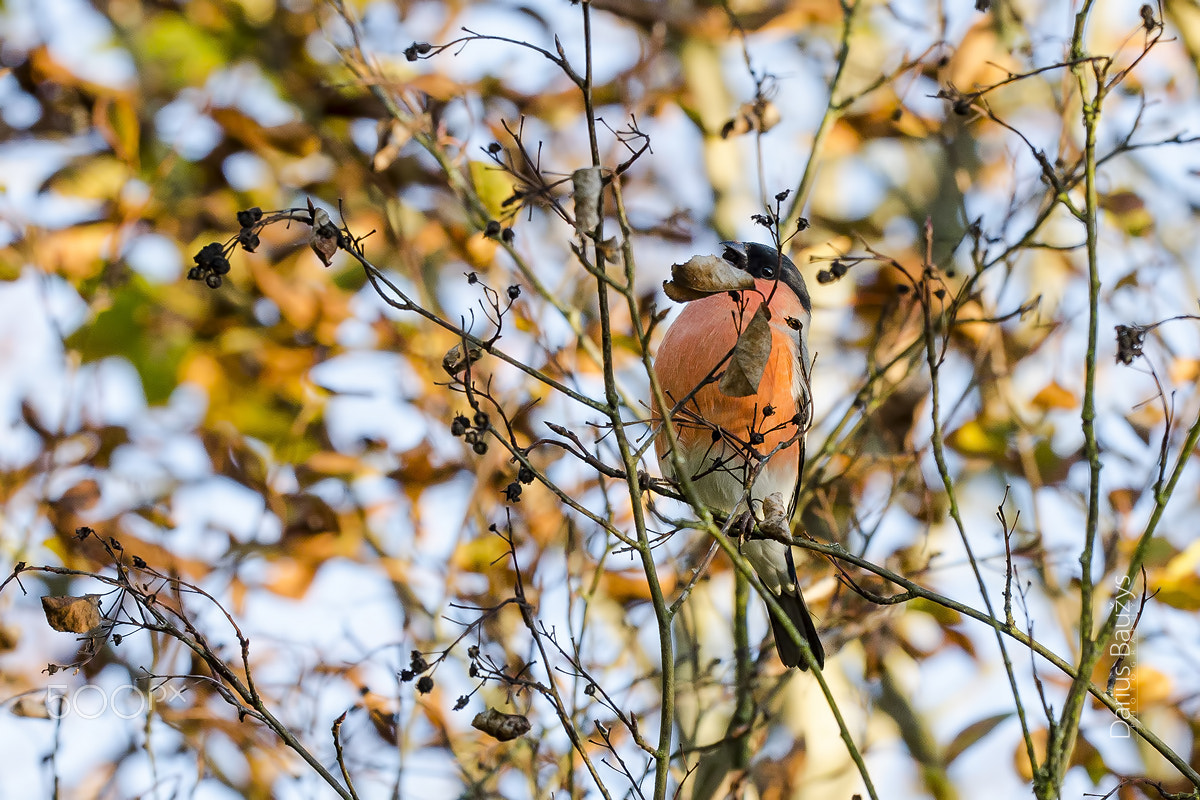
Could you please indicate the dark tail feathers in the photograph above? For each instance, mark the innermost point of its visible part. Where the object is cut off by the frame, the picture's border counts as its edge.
(789, 651)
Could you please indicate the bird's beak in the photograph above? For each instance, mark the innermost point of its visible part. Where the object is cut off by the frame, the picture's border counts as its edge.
(735, 254)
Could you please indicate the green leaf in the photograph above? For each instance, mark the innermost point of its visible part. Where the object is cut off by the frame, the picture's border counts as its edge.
(129, 328)
(178, 50)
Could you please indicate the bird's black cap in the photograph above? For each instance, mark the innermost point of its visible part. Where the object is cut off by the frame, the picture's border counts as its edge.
(764, 261)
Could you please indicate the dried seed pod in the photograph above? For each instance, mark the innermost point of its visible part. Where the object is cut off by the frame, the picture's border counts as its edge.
(500, 726)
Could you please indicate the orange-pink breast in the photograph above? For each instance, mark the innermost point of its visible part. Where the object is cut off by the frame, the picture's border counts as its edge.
(699, 339)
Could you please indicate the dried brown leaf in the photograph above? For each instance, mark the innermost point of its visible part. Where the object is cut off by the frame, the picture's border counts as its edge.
(972, 734)
(587, 184)
(382, 712)
(324, 237)
(749, 361)
(80, 497)
(72, 614)
(10, 637)
(705, 275)
(31, 706)
(775, 515)
(307, 514)
(455, 361)
(758, 116)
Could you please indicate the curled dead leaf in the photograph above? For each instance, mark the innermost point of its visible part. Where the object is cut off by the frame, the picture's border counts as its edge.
(757, 115)
(455, 361)
(749, 361)
(587, 185)
(383, 716)
(31, 706)
(705, 275)
(308, 514)
(324, 237)
(774, 515)
(10, 637)
(72, 614)
(500, 726)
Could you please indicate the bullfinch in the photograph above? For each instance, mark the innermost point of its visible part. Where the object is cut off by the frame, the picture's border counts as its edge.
(747, 447)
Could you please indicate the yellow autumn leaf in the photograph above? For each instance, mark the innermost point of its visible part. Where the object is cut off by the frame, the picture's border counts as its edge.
(493, 186)
(77, 253)
(297, 301)
(99, 177)
(1055, 396)
(1178, 583)
(479, 555)
(1184, 370)
(1039, 737)
(291, 579)
(116, 117)
(1151, 686)
(629, 586)
(1128, 212)
(329, 462)
(480, 250)
(980, 439)
(1132, 684)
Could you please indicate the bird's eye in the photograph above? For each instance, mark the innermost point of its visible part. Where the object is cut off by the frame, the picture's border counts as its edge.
(768, 272)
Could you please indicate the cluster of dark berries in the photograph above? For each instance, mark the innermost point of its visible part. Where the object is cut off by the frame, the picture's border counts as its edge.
(473, 654)
(514, 291)
(512, 492)
(494, 229)
(471, 430)
(211, 264)
(248, 219)
(474, 671)
(1130, 341)
(836, 270)
(416, 50)
(416, 665)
